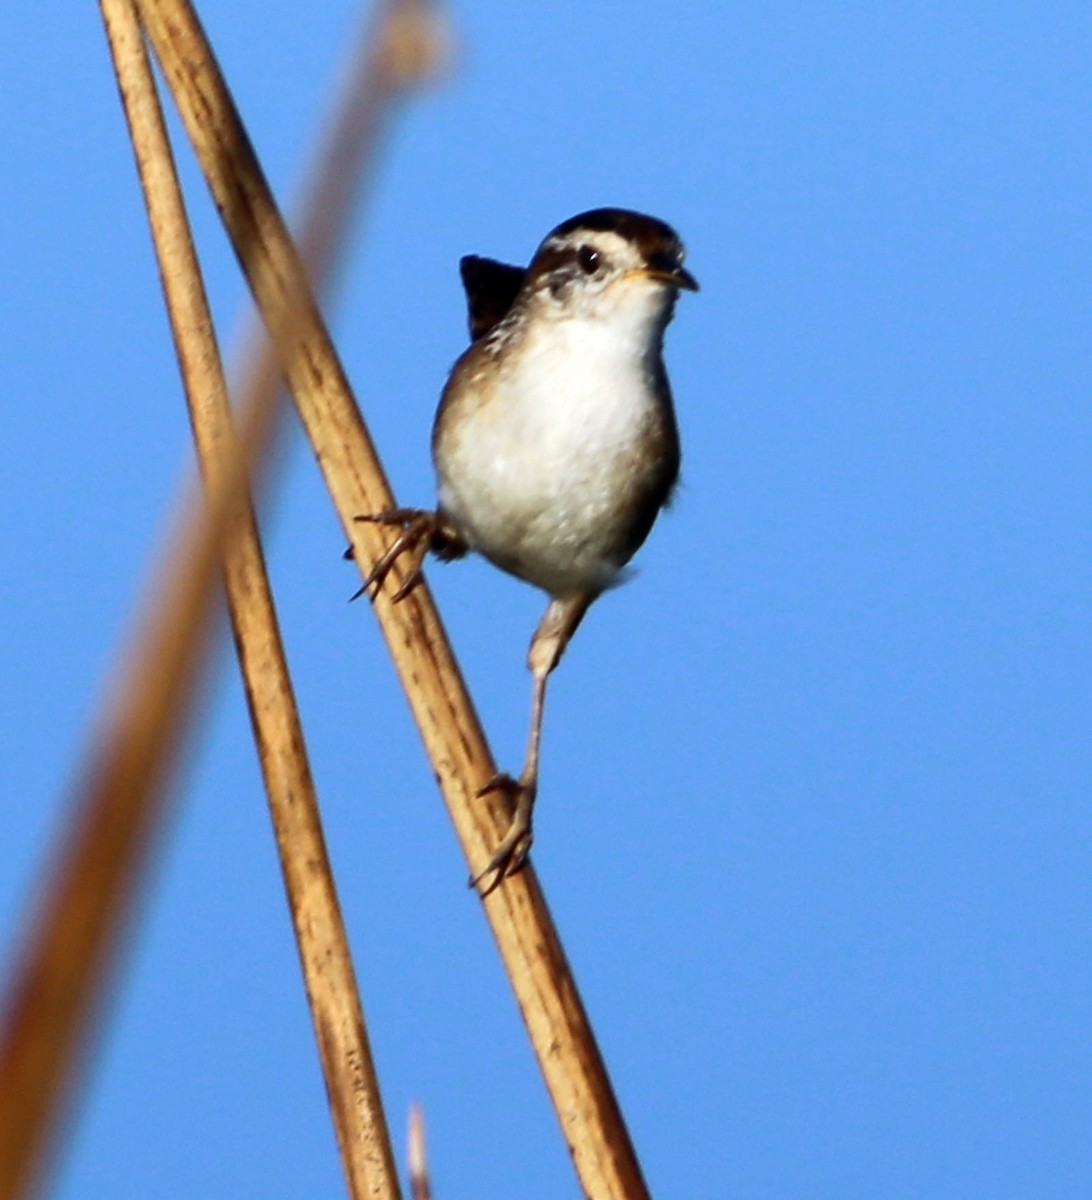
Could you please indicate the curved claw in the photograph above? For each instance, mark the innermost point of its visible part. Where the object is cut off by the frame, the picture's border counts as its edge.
(511, 854)
(418, 527)
(501, 782)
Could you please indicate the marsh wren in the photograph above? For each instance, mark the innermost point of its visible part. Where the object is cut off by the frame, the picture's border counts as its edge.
(555, 444)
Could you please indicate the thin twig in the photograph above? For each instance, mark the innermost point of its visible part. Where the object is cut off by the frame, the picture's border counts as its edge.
(351, 1082)
(529, 945)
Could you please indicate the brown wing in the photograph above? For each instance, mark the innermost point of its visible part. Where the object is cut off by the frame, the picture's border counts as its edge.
(665, 455)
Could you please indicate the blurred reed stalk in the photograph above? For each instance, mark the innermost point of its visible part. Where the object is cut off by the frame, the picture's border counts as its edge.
(534, 959)
(404, 45)
(75, 937)
(420, 1187)
(351, 1082)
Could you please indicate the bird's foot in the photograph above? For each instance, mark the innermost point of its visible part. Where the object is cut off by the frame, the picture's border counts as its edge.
(419, 531)
(511, 854)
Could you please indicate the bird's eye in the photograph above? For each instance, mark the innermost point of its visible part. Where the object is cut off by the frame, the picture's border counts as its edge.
(589, 259)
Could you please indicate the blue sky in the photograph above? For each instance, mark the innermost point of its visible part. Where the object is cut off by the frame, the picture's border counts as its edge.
(814, 816)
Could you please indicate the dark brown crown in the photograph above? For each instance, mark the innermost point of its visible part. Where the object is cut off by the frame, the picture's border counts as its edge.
(492, 287)
(657, 245)
(650, 235)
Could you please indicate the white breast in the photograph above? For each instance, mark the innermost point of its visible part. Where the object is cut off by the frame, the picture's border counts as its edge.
(542, 472)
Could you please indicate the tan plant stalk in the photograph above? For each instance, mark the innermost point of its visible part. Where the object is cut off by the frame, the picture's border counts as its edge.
(351, 1082)
(420, 1186)
(118, 803)
(546, 992)
(404, 45)
(119, 795)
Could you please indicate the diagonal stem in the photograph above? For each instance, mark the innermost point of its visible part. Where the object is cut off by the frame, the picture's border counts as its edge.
(528, 942)
(336, 1012)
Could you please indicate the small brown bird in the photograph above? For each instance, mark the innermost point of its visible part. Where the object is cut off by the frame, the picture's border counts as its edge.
(555, 444)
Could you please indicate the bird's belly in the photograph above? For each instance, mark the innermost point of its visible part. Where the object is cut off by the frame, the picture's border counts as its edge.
(548, 486)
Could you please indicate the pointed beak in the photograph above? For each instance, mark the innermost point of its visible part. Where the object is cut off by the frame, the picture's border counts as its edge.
(676, 277)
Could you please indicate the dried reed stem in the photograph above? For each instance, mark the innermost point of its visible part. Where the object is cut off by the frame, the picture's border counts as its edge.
(529, 945)
(118, 801)
(351, 1083)
(405, 44)
(421, 1188)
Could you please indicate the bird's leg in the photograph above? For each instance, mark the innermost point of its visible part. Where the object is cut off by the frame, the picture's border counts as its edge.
(421, 530)
(547, 646)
